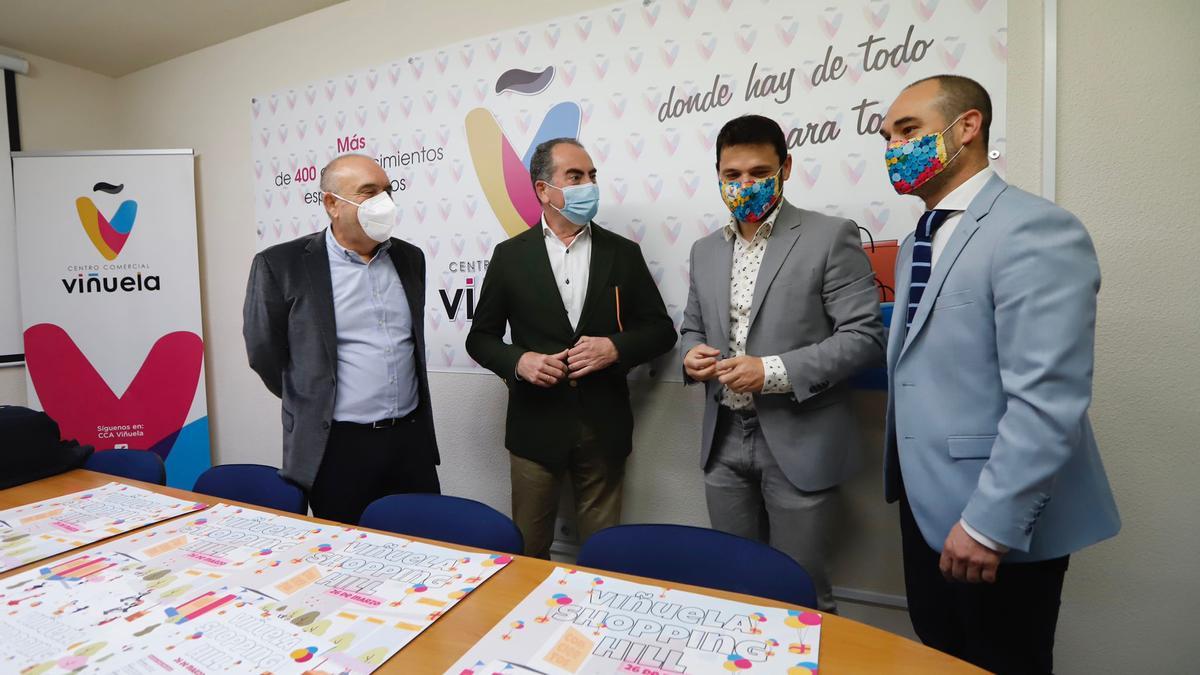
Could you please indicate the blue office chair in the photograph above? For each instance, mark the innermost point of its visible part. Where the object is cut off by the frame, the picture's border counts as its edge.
(140, 465)
(453, 519)
(254, 484)
(700, 557)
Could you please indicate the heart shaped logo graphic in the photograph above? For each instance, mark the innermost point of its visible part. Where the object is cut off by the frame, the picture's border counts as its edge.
(786, 30)
(616, 20)
(77, 397)
(876, 216)
(108, 236)
(670, 52)
(653, 185)
(633, 59)
(671, 229)
(650, 13)
(876, 17)
(853, 167)
(952, 52)
(746, 37)
(636, 230)
(999, 43)
(830, 21)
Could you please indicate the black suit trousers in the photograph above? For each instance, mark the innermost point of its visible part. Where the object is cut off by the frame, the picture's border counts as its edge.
(1005, 627)
(362, 464)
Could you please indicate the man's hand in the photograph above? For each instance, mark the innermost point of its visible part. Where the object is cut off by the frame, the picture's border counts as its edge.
(964, 559)
(544, 370)
(589, 355)
(742, 374)
(700, 363)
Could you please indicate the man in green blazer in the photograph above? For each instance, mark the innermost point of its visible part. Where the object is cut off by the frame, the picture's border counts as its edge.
(583, 310)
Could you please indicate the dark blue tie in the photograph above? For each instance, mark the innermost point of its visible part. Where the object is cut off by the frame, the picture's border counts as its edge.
(922, 257)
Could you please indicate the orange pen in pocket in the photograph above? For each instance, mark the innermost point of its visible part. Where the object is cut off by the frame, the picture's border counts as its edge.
(617, 295)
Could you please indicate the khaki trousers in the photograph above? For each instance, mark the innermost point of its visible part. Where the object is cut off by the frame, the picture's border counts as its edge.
(596, 479)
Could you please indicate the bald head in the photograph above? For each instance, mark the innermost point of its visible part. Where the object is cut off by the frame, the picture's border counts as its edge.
(343, 173)
(954, 95)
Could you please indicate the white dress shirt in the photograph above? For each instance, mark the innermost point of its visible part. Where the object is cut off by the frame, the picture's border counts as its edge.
(958, 200)
(747, 259)
(571, 264)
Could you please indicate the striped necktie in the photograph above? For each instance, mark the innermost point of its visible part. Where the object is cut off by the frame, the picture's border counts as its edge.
(922, 257)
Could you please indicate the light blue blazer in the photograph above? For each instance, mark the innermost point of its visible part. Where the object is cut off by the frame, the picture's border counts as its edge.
(988, 392)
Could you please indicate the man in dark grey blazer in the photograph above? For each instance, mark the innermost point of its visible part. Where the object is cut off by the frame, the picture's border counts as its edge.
(334, 326)
(782, 309)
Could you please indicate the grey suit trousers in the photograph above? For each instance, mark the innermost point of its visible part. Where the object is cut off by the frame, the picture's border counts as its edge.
(749, 496)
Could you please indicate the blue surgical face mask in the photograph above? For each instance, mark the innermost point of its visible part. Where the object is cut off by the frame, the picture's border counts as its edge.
(580, 202)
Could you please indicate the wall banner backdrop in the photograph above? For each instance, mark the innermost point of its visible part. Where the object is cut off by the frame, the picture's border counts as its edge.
(110, 301)
(645, 86)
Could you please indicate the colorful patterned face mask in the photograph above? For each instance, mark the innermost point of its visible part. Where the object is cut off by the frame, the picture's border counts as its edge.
(912, 162)
(751, 202)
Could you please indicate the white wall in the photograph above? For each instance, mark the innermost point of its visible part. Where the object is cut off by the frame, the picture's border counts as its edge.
(1127, 81)
(60, 107)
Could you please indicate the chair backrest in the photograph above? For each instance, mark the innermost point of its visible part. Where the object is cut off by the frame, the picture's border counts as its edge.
(142, 465)
(700, 557)
(453, 519)
(254, 484)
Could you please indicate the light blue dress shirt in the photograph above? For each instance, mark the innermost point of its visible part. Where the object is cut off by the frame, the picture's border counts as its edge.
(376, 367)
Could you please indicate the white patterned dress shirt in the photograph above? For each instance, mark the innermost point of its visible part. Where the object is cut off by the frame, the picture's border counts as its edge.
(747, 259)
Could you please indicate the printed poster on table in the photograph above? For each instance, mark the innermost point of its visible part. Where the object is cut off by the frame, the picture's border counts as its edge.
(577, 623)
(43, 529)
(110, 301)
(645, 85)
(232, 589)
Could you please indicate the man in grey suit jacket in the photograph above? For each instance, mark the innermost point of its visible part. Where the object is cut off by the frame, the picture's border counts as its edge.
(782, 309)
(988, 444)
(334, 326)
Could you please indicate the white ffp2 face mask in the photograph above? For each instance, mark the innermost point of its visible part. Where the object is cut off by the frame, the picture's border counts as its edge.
(376, 215)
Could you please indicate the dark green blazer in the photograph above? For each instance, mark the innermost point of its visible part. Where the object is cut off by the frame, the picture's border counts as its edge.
(520, 291)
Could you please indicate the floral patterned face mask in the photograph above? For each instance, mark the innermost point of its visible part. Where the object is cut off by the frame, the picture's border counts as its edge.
(750, 202)
(911, 162)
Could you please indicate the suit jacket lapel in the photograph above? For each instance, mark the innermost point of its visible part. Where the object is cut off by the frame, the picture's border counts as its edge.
(414, 291)
(598, 271)
(320, 281)
(722, 273)
(784, 235)
(967, 225)
(542, 279)
(896, 332)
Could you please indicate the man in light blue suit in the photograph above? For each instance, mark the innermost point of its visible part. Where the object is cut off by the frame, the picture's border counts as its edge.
(988, 445)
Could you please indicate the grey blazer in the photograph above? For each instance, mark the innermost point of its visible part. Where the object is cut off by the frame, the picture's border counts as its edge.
(989, 390)
(816, 306)
(291, 340)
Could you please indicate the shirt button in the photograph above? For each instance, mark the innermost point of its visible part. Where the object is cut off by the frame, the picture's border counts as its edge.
(574, 383)
(568, 282)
